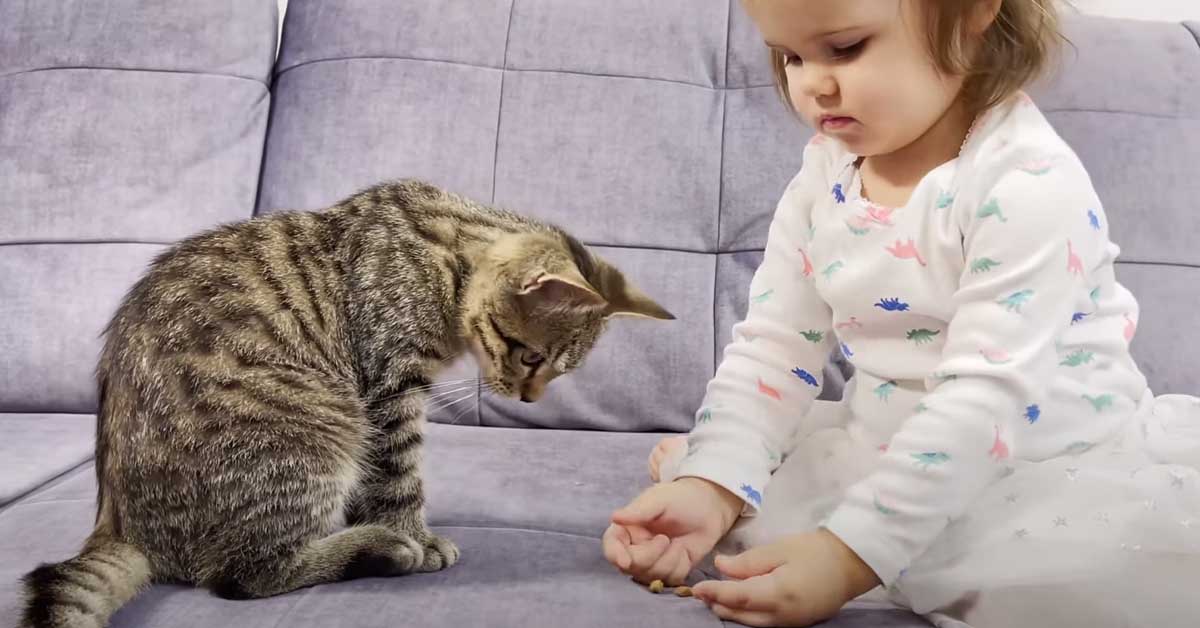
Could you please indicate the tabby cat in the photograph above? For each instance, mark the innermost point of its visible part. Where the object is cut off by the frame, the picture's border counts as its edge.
(265, 382)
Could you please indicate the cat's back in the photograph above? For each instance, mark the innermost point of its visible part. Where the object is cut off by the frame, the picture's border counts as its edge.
(266, 287)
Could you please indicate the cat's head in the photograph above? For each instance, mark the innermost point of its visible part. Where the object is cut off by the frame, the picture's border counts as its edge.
(535, 306)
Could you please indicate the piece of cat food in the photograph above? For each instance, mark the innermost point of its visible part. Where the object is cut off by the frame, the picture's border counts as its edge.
(683, 591)
(656, 586)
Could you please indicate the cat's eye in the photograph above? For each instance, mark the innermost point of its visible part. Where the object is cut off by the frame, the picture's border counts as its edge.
(531, 358)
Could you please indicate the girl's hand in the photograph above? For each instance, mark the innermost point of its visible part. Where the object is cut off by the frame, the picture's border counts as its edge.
(669, 528)
(799, 581)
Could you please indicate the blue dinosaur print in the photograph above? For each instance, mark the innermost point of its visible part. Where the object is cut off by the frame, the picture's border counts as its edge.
(931, 458)
(805, 376)
(1078, 317)
(1033, 413)
(892, 305)
(752, 494)
(1094, 220)
(838, 194)
(846, 351)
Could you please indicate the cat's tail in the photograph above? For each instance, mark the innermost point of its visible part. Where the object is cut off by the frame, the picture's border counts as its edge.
(83, 592)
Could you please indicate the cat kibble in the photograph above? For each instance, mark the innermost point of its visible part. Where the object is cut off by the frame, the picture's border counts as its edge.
(656, 586)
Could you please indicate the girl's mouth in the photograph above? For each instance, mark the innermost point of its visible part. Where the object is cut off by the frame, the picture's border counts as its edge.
(836, 123)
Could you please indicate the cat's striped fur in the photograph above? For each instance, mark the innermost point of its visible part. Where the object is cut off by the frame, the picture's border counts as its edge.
(265, 381)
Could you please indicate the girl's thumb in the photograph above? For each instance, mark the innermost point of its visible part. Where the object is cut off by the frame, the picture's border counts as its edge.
(641, 511)
(754, 562)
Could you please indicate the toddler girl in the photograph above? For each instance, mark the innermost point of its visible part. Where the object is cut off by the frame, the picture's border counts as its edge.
(997, 458)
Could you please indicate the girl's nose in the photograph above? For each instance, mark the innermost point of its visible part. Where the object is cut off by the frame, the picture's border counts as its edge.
(816, 80)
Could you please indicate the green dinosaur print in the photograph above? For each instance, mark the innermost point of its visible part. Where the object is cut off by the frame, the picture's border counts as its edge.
(856, 231)
(1077, 358)
(1100, 402)
(922, 336)
(921, 407)
(884, 510)
(832, 268)
(1014, 301)
(1095, 295)
(705, 416)
(944, 200)
(764, 297)
(983, 265)
(991, 208)
(928, 459)
(884, 390)
(813, 335)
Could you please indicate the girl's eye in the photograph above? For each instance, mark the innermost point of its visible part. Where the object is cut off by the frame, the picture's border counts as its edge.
(847, 52)
(791, 59)
(531, 358)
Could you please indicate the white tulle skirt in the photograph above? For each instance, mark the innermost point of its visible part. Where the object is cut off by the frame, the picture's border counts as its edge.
(1110, 537)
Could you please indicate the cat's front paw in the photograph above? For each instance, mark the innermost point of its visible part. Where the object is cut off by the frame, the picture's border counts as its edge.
(440, 553)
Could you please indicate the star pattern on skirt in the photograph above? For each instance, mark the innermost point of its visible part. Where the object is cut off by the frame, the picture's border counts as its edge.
(1102, 517)
(1021, 533)
(1072, 473)
(1060, 522)
(1011, 498)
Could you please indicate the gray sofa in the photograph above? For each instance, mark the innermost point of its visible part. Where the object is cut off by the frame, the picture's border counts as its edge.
(650, 129)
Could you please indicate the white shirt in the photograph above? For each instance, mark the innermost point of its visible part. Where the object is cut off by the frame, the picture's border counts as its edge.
(983, 318)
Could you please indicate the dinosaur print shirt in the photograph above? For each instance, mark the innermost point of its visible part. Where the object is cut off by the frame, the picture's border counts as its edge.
(983, 320)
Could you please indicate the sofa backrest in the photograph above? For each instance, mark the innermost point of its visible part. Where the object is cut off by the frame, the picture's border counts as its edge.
(124, 125)
(652, 131)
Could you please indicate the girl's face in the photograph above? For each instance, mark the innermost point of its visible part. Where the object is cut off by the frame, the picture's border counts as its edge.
(858, 71)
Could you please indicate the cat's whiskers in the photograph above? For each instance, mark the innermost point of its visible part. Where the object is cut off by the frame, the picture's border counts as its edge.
(436, 388)
(450, 404)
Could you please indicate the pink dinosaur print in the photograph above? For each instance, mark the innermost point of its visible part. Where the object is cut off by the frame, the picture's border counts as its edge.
(1130, 328)
(850, 324)
(768, 391)
(999, 447)
(1074, 264)
(879, 215)
(883, 448)
(996, 356)
(906, 250)
(808, 267)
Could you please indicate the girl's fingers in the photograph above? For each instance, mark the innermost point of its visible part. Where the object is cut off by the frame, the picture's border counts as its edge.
(616, 544)
(748, 618)
(759, 593)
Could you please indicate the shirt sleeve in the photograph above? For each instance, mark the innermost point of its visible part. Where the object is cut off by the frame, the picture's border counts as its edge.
(771, 371)
(1030, 231)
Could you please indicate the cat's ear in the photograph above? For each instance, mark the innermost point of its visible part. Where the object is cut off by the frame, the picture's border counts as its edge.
(624, 299)
(544, 291)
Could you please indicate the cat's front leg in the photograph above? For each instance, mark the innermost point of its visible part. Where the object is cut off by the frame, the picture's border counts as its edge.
(392, 492)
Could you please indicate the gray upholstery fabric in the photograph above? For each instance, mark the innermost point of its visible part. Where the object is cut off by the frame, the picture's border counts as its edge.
(124, 124)
(650, 129)
(36, 447)
(525, 506)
